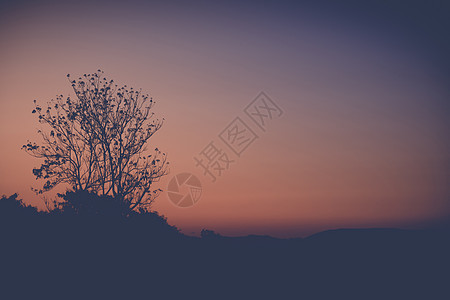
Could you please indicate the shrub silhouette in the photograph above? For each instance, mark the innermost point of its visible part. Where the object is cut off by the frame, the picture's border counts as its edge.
(11, 207)
(85, 203)
(209, 234)
(86, 212)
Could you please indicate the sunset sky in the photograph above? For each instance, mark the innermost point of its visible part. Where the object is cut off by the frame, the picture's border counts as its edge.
(363, 140)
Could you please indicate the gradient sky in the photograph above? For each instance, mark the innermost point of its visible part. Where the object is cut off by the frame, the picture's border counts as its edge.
(364, 138)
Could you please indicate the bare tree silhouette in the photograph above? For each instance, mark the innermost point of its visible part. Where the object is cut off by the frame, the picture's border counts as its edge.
(97, 142)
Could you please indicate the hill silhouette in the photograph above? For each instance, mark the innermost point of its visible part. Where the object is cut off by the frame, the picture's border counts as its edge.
(70, 253)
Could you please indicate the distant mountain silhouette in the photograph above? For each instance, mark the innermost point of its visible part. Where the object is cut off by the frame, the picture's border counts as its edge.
(103, 256)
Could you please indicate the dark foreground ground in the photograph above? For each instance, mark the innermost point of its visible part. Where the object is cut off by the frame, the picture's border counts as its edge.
(103, 259)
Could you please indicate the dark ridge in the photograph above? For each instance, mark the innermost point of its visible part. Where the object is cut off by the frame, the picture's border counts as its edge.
(142, 256)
